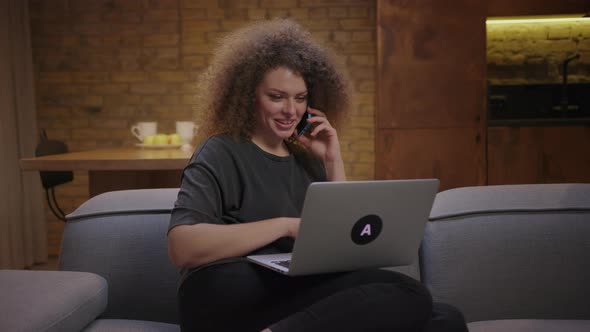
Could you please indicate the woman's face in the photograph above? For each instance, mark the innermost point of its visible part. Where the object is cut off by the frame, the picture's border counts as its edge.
(281, 100)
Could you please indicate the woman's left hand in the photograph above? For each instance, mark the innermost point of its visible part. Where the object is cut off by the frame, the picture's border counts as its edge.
(322, 141)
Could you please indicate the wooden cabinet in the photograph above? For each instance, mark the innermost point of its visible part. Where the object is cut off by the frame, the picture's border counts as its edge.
(431, 91)
(542, 154)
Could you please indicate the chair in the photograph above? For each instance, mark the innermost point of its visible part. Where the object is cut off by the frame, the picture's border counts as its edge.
(51, 179)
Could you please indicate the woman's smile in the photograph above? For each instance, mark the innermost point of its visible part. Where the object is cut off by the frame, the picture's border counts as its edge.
(285, 124)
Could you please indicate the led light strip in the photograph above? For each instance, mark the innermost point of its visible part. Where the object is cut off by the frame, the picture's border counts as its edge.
(539, 19)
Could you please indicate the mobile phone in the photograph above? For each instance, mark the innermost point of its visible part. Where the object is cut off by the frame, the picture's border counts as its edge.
(303, 126)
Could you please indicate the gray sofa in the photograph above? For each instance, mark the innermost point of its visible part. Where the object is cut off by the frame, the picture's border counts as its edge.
(512, 258)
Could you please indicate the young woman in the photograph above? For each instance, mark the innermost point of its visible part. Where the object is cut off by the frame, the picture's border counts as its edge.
(243, 191)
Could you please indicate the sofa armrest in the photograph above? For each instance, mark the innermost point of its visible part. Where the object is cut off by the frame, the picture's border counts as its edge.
(121, 236)
(508, 252)
(50, 300)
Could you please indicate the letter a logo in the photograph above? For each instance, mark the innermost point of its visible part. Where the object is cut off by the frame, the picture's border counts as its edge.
(366, 230)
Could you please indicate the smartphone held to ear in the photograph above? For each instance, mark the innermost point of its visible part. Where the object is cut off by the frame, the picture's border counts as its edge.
(303, 126)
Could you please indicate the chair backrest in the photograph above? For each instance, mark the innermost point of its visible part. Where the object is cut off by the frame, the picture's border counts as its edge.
(515, 251)
(46, 147)
(121, 236)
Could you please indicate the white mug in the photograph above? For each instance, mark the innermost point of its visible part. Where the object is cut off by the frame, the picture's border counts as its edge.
(186, 130)
(143, 129)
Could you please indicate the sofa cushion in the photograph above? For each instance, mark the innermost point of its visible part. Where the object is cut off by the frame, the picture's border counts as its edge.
(50, 300)
(509, 252)
(121, 236)
(530, 325)
(128, 325)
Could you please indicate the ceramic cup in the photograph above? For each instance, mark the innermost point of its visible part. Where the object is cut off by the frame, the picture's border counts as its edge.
(143, 129)
(186, 130)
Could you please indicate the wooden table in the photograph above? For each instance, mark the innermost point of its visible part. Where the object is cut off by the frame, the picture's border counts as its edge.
(118, 168)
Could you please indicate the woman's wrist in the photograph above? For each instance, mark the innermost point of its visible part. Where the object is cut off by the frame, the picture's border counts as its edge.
(286, 226)
(335, 170)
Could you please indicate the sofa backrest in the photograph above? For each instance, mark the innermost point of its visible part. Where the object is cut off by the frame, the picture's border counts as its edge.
(121, 236)
(515, 251)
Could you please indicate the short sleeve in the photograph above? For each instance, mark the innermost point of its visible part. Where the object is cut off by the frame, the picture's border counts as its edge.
(200, 197)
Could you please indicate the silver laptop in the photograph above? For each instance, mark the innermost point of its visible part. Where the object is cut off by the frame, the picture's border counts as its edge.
(353, 225)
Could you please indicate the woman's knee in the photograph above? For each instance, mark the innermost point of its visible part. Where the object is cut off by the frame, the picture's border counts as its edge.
(401, 281)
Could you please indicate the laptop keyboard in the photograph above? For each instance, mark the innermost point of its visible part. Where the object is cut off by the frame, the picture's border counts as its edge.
(283, 263)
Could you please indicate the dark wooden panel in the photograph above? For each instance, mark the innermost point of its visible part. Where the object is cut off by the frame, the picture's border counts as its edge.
(412, 36)
(431, 91)
(456, 156)
(431, 64)
(519, 155)
(427, 9)
(536, 7)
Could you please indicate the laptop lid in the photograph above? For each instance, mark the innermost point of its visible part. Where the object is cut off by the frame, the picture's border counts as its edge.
(361, 224)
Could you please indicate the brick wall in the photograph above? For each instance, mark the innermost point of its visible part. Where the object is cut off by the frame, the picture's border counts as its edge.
(534, 52)
(102, 65)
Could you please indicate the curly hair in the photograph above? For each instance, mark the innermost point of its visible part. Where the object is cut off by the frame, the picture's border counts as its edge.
(226, 90)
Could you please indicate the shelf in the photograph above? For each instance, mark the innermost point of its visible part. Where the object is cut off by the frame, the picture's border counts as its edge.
(539, 122)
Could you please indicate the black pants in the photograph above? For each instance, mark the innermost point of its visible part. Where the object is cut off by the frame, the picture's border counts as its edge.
(242, 296)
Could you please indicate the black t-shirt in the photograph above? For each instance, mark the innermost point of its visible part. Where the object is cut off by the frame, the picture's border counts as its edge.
(230, 181)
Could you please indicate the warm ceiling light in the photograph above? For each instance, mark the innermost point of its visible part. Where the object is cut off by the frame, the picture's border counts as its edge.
(538, 19)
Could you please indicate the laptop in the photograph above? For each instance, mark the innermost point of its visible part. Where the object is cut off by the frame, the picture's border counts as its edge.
(354, 225)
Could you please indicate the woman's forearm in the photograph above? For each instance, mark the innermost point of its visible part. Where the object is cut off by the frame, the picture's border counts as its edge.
(199, 244)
